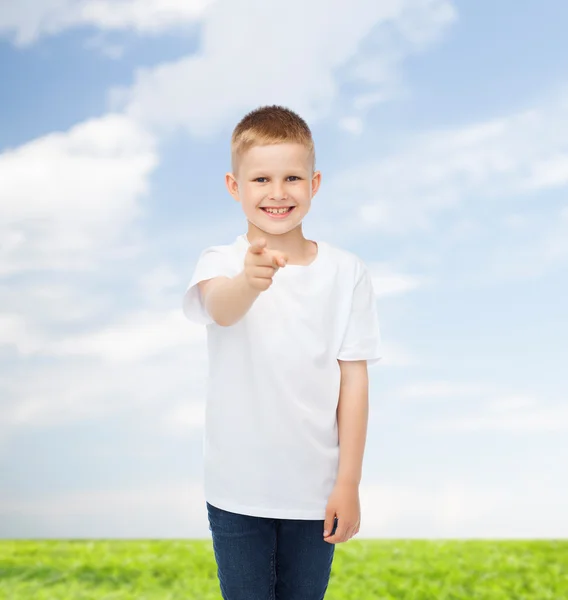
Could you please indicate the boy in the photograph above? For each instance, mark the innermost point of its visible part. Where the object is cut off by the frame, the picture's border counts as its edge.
(292, 325)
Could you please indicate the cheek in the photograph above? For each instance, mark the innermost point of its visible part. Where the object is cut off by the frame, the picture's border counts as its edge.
(305, 193)
(250, 204)
(250, 197)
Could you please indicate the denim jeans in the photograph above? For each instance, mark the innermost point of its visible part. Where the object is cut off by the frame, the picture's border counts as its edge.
(260, 558)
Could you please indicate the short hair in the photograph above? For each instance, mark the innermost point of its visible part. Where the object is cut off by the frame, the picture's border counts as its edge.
(270, 125)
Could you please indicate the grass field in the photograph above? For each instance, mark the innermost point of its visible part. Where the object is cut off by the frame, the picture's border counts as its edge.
(362, 569)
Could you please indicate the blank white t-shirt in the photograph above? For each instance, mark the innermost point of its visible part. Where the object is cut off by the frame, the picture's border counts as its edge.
(271, 438)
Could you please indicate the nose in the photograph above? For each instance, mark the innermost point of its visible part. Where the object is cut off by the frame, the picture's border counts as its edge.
(277, 192)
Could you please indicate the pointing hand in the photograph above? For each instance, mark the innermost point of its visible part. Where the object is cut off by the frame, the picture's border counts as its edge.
(262, 263)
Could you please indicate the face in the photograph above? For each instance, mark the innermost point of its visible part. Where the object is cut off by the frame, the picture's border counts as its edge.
(275, 185)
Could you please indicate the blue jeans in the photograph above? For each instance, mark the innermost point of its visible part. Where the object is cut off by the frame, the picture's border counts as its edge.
(269, 559)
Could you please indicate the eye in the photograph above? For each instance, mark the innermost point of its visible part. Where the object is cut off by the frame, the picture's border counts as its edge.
(292, 177)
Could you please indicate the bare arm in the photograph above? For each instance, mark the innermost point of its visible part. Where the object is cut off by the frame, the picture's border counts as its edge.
(228, 299)
(352, 420)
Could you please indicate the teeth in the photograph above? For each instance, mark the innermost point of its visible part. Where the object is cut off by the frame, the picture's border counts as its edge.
(277, 211)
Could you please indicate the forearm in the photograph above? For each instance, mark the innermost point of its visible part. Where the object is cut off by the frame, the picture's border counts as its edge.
(352, 419)
(230, 299)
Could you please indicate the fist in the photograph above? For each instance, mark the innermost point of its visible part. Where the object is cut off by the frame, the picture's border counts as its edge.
(261, 264)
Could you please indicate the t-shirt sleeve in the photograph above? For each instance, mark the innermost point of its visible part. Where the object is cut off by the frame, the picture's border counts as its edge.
(213, 262)
(362, 339)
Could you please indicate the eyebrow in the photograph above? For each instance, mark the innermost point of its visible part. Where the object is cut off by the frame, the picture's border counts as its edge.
(294, 171)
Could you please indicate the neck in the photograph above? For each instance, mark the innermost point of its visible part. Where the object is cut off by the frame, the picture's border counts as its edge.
(293, 243)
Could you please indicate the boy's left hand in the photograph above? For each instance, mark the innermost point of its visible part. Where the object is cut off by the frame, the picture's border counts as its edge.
(343, 503)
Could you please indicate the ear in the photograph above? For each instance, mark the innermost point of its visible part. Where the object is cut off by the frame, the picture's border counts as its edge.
(232, 186)
(316, 182)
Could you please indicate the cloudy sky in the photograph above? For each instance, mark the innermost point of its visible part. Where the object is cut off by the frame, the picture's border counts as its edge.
(441, 130)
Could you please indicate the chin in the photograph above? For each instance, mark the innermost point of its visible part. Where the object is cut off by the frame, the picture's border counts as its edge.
(275, 229)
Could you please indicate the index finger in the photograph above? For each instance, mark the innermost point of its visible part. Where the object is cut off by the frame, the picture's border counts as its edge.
(258, 246)
(279, 259)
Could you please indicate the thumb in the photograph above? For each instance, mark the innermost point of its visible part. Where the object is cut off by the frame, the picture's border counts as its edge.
(328, 523)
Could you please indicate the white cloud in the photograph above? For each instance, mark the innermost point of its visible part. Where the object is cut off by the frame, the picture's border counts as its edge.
(387, 282)
(138, 336)
(160, 281)
(486, 407)
(154, 361)
(517, 221)
(64, 391)
(176, 509)
(66, 197)
(15, 331)
(110, 50)
(363, 101)
(554, 246)
(507, 404)
(443, 389)
(544, 245)
(69, 201)
(71, 196)
(451, 510)
(527, 419)
(34, 302)
(438, 170)
(27, 20)
(150, 359)
(396, 356)
(185, 417)
(163, 509)
(252, 53)
(463, 508)
(135, 337)
(353, 125)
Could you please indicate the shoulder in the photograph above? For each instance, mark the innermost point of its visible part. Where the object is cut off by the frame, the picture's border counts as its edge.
(346, 261)
(227, 250)
(218, 260)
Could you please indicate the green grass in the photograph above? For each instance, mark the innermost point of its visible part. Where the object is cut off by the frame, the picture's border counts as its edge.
(362, 569)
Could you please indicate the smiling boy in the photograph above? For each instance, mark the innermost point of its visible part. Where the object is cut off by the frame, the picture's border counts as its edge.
(292, 325)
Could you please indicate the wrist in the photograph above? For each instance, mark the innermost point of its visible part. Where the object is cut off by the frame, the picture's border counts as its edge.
(244, 282)
(347, 481)
(247, 289)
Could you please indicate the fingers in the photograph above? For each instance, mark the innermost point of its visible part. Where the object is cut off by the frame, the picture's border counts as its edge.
(337, 537)
(279, 259)
(343, 533)
(273, 257)
(258, 246)
(264, 272)
(261, 264)
(328, 524)
(270, 258)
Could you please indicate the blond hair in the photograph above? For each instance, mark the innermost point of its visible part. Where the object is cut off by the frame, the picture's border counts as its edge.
(270, 125)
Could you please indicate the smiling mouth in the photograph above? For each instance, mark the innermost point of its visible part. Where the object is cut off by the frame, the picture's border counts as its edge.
(277, 212)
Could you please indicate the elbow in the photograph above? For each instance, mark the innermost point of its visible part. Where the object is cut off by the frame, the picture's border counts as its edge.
(222, 323)
(222, 320)
(217, 315)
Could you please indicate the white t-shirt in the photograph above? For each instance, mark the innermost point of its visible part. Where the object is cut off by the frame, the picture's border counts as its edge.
(271, 438)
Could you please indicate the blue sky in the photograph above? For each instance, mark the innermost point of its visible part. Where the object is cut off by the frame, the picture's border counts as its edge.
(440, 130)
